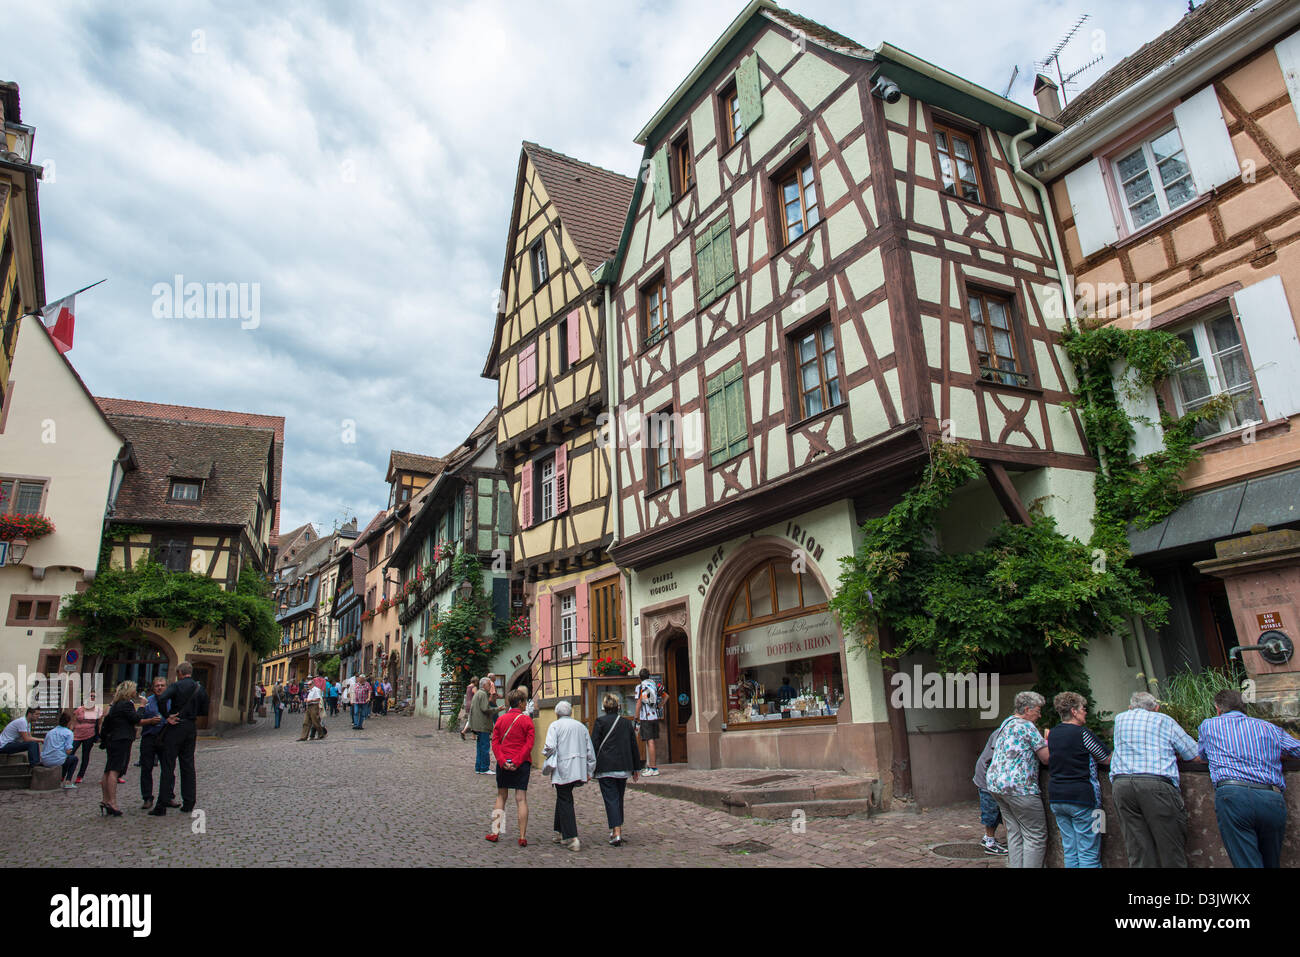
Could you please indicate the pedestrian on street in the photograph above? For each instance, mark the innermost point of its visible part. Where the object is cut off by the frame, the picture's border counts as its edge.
(360, 703)
(648, 705)
(277, 703)
(1074, 793)
(512, 743)
(1013, 781)
(617, 759)
(464, 707)
(1245, 756)
(1144, 783)
(261, 695)
(151, 725)
(117, 734)
(571, 761)
(482, 716)
(345, 695)
(332, 697)
(59, 751)
(183, 702)
(311, 721)
(378, 693)
(990, 813)
(85, 731)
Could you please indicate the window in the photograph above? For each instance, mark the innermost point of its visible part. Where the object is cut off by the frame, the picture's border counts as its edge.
(663, 449)
(528, 369)
(715, 265)
(733, 131)
(797, 200)
(538, 255)
(990, 318)
(568, 625)
(184, 491)
(174, 554)
(817, 375)
(1154, 179)
(654, 307)
(958, 163)
(21, 498)
(562, 344)
(548, 488)
(780, 657)
(728, 426)
(388, 545)
(33, 610)
(683, 168)
(1217, 367)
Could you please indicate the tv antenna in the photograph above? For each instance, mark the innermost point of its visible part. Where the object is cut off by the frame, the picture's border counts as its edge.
(1053, 58)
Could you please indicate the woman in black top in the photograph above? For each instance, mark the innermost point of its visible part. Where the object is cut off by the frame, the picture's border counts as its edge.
(116, 734)
(1073, 792)
(618, 757)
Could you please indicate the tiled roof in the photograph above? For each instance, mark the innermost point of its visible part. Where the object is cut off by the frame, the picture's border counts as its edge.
(411, 462)
(185, 413)
(1194, 26)
(238, 458)
(592, 202)
(815, 31)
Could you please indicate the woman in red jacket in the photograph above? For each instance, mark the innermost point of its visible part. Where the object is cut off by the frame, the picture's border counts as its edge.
(512, 743)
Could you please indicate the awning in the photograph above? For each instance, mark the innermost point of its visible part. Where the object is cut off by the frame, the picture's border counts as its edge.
(1208, 516)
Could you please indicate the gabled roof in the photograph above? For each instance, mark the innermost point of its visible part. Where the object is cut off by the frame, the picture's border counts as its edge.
(36, 321)
(412, 462)
(591, 204)
(1195, 25)
(238, 455)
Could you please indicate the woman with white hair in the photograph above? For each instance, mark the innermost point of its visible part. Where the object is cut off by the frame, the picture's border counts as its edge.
(570, 761)
(1012, 779)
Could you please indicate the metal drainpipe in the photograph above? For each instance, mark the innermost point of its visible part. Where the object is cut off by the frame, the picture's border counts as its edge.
(616, 424)
(1053, 238)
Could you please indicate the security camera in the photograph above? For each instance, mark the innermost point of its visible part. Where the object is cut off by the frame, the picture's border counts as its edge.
(886, 89)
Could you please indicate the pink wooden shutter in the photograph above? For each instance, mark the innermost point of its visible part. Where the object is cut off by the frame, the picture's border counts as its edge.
(544, 603)
(526, 497)
(561, 479)
(583, 636)
(574, 344)
(527, 370)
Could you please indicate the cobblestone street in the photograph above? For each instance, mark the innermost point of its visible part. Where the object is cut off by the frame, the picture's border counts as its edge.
(406, 795)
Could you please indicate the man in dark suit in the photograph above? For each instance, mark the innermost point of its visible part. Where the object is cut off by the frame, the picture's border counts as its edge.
(184, 700)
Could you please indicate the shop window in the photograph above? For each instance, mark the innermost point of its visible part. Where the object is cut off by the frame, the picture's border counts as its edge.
(1217, 366)
(781, 660)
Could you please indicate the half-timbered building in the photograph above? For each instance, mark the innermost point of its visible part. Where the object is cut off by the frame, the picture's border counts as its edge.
(549, 359)
(22, 265)
(1177, 196)
(829, 265)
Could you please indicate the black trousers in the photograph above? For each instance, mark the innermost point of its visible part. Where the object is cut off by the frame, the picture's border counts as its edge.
(611, 791)
(149, 756)
(566, 821)
(85, 747)
(178, 745)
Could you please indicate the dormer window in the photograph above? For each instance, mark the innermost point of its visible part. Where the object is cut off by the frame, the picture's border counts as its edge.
(184, 490)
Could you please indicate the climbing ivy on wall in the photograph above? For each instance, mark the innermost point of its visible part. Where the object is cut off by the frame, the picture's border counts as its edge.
(1030, 589)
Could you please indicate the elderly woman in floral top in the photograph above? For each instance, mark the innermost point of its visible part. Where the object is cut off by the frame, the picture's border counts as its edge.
(1013, 781)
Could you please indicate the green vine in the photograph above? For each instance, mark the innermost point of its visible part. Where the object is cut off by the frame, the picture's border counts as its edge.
(112, 535)
(103, 617)
(1031, 589)
(461, 631)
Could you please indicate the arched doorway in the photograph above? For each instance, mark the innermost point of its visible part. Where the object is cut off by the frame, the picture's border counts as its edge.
(679, 706)
(140, 663)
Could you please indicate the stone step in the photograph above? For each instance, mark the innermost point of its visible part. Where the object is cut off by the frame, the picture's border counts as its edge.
(816, 795)
(15, 777)
(842, 807)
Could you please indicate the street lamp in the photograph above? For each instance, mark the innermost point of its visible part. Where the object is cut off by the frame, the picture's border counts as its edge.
(17, 550)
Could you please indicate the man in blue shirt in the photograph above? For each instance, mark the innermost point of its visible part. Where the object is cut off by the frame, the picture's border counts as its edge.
(1245, 756)
(150, 725)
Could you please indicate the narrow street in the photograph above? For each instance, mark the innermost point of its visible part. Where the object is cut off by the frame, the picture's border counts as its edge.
(401, 794)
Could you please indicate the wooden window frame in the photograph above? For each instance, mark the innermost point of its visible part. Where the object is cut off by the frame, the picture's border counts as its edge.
(539, 489)
(568, 649)
(814, 328)
(973, 135)
(1022, 351)
(654, 448)
(159, 541)
(652, 335)
(172, 498)
(7, 505)
(32, 621)
(733, 131)
(792, 173)
(540, 266)
(682, 158)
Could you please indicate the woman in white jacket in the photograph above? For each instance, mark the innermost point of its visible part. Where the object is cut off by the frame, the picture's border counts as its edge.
(571, 761)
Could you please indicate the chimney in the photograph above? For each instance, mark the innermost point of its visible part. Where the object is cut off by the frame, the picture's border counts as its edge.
(1049, 104)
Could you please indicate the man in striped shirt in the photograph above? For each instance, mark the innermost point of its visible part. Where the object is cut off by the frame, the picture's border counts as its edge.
(1144, 783)
(1245, 756)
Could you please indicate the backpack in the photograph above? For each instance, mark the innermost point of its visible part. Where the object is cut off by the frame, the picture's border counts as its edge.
(656, 695)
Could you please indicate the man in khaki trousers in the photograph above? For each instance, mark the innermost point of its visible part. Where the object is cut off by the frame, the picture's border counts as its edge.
(311, 720)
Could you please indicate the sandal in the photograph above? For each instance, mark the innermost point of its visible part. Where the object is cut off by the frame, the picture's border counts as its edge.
(523, 842)
(493, 838)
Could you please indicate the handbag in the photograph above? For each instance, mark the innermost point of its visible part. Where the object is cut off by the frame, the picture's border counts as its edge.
(507, 734)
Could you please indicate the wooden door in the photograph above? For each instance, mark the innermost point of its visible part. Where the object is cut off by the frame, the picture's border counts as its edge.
(677, 680)
(203, 675)
(1217, 628)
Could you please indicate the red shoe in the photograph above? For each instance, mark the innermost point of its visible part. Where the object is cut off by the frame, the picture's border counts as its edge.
(493, 838)
(121, 780)
(79, 780)
(522, 842)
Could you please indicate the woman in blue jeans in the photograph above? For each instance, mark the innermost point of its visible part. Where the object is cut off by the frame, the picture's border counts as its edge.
(1074, 793)
(277, 703)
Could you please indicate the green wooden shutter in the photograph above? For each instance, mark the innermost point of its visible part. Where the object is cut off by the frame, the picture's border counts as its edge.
(751, 99)
(724, 263)
(662, 183)
(704, 267)
(717, 420)
(734, 391)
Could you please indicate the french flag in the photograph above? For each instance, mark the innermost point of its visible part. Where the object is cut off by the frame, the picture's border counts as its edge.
(60, 319)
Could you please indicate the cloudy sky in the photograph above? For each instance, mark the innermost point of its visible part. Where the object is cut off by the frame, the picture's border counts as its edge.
(356, 162)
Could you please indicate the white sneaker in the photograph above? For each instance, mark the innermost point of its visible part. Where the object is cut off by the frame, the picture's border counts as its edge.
(575, 845)
(69, 786)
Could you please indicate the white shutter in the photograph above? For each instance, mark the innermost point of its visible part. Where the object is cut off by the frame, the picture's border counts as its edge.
(1288, 58)
(1274, 348)
(1206, 141)
(1093, 216)
(1148, 437)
